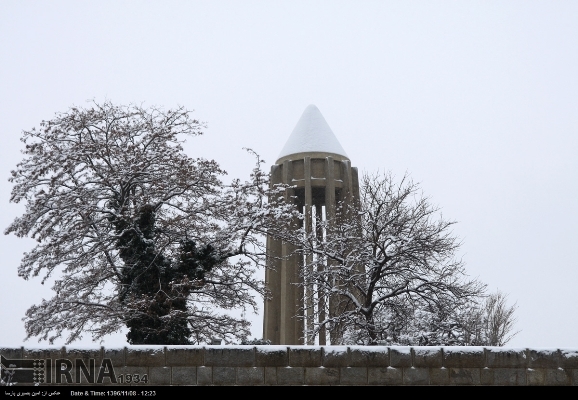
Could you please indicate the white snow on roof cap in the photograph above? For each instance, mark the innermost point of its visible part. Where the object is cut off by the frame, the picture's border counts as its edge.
(312, 134)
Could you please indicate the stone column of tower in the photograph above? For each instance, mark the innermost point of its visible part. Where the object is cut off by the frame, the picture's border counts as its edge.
(316, 165)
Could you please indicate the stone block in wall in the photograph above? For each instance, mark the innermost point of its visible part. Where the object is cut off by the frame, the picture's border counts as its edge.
(149, 356)
(535, 377)
(465, 376)
(204, 375)
(464, 357)
(290, 375)
(270, 375)
(224, 375)
(557, 377)
(503, 376)
(353, 376)
(400, 357)
(384, 376)
(250, 376)
(569, 358)
(439, 376)
(184, 375)
(160, 375)
(510, 376)
(183, 356)
(321, 376)
(544, 358)
(305, 356)
(486, 376)
(369, 356)
(499, 357)
(239, 356)
(116, 356)
(335, 357)
(431, 357)
(271, 356)
(416, 376)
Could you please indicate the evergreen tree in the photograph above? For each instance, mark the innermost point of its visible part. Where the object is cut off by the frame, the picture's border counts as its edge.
(160, 287)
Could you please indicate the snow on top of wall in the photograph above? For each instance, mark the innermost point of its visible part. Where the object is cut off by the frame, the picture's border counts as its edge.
(569, 352)
(153, 348)
(464, 349)
(312, 134)
(380, 349)
(335, 350)
(270, 348)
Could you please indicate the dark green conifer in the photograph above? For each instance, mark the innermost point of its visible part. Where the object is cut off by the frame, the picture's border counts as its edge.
(156, 286)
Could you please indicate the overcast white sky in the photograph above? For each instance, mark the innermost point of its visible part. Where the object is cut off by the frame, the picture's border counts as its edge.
(477, 100)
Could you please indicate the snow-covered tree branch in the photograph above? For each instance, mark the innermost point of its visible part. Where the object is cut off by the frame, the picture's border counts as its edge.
(386, 271)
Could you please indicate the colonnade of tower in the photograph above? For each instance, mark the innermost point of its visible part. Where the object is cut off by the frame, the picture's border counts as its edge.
(315, 165)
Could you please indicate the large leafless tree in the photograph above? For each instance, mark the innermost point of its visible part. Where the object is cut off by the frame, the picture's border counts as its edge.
(89, 178)
(382, 265)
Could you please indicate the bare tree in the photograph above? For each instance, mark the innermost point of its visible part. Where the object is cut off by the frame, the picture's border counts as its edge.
(381, 265)
(483, 321)
(125, 223)
(486, 321)
(498, 320)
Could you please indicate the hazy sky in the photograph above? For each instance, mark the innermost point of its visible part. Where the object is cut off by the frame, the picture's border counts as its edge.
(477, 101)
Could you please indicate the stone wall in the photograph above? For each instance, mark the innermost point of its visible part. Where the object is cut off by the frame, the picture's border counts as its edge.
(303, 365)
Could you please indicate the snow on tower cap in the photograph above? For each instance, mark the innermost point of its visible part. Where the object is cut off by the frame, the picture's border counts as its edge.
(312, 134)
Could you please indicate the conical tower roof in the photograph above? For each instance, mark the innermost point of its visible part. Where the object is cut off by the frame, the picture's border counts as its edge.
(312, 134)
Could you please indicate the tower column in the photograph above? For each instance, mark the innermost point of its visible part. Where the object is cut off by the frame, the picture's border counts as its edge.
(309, 311)
(289, 272)
(272, 306)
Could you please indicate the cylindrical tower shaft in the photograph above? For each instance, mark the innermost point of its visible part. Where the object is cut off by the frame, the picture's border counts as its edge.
(318, 184)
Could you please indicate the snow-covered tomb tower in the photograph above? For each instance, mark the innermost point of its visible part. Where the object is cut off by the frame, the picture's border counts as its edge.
(316, 166)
